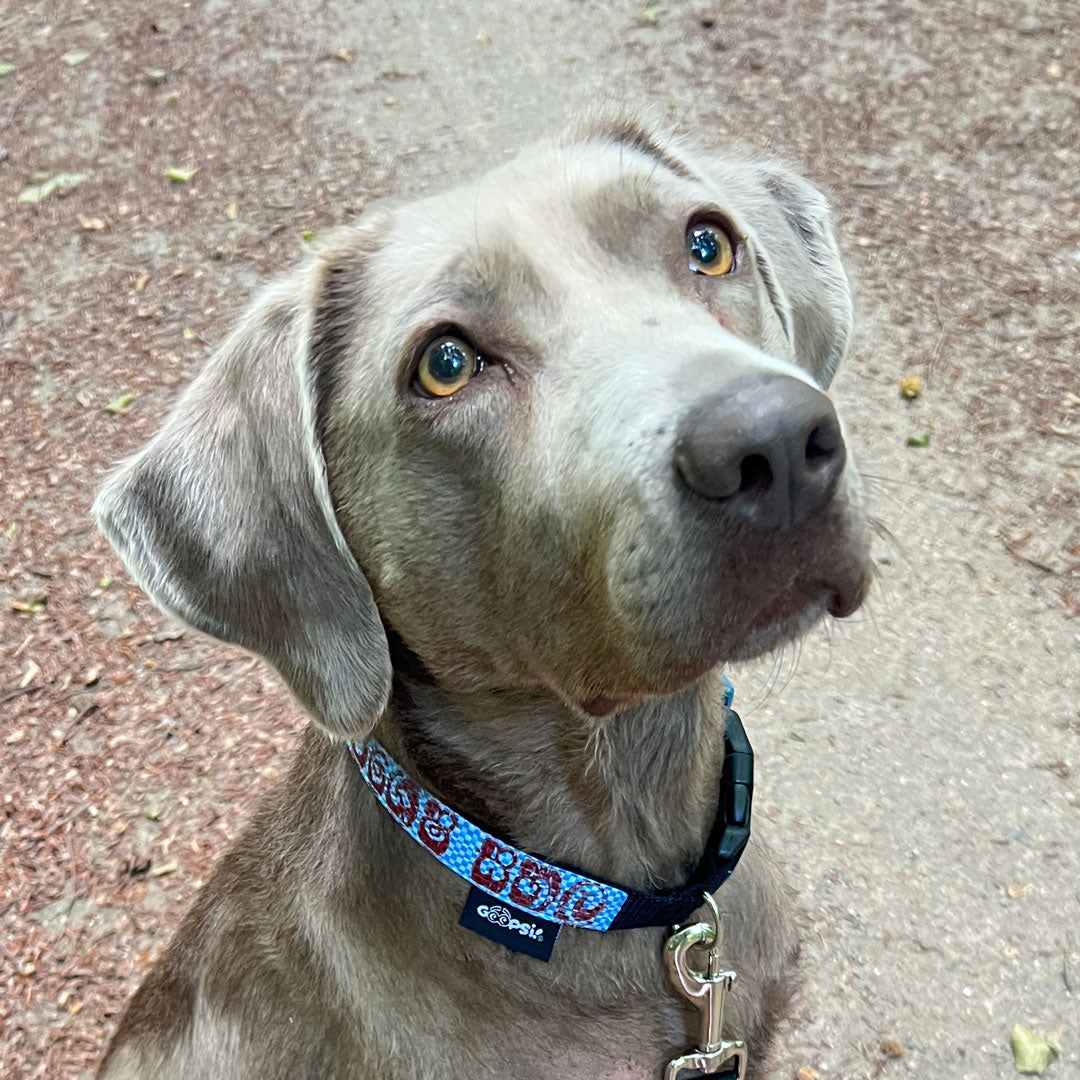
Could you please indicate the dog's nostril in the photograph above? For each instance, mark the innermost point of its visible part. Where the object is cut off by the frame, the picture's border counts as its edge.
(770, 449)
(822, 443)
(755, 473)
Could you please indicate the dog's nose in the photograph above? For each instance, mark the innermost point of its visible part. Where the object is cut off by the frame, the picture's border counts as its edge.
(769, 448)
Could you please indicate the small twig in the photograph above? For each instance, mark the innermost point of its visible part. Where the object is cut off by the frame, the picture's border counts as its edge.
(1058, 335)
(1046, 568)
(940, 341)
(19, 691)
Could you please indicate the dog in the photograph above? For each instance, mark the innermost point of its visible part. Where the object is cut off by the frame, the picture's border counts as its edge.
(504, 475)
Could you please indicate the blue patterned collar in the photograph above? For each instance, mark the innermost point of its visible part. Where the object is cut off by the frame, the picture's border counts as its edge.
(527, 886)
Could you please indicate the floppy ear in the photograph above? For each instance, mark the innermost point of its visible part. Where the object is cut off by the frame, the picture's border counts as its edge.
(810, 270)
(225, 517)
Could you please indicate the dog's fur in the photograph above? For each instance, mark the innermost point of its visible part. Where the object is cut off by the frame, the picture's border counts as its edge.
(478, 578)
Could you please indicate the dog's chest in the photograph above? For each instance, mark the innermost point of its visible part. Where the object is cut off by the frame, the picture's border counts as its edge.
(629, 1044)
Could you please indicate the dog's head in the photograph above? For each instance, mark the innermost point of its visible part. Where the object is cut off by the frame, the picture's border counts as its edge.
(564, 428)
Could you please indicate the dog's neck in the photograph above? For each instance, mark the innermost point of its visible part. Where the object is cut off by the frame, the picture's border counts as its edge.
(630, 798)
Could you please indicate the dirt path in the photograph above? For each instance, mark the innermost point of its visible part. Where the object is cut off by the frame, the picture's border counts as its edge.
(919, 769)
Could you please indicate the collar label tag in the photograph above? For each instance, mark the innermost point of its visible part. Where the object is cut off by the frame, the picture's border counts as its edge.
(507, 925)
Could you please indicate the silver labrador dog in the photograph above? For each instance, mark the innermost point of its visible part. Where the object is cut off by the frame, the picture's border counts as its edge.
(504, 475)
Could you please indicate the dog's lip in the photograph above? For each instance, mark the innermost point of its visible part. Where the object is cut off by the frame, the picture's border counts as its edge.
(788, 604)
(844, 603)
(789, 607)
(839, 601)
(601, 706)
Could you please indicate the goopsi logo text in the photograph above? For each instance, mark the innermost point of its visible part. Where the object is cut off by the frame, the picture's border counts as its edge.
(497, 914)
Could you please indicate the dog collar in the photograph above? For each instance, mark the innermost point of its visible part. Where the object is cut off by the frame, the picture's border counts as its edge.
(528, 886)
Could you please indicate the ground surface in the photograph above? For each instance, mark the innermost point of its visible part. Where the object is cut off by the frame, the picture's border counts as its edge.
(920, 769)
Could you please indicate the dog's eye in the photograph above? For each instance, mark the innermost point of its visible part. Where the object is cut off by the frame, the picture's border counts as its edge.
(446, 365)
(710, 249)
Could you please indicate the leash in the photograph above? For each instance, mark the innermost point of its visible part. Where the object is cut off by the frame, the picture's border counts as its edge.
(536, 898)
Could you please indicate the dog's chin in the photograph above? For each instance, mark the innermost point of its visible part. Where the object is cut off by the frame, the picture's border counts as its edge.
(783, 620)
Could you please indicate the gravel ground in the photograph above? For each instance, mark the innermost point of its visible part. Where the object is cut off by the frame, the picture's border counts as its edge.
(919, 764)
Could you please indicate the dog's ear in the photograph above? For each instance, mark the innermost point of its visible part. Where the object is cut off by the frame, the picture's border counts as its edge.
(225, 517)
(811, 273)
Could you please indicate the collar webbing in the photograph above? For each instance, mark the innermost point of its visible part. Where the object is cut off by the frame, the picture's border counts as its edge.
(558, 893)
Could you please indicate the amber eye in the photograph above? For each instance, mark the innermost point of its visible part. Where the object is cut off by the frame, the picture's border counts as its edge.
(710, 249)
(446, 365)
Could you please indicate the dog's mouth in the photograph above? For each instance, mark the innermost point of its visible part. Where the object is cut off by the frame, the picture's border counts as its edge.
(782, 618)
(797, 609)
(785, 607)
(838, 601)
(599, 707)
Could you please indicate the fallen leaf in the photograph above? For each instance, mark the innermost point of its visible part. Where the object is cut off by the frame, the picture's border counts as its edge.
(807, 1073)
(344, 55)
(919, 440)
(42, 185)
(75, 1007)
(891, 1048)
(6, 69)
(92, 224)
(910, 387)
(119, 406)
(73, 58)
(142, 281)
(650, 16)
(180, 176)
(31, 673)
(27, 607)
(30, 601)
(795, 736)
(308, 236)
(1014, 891)
(156, 77)
(232, 211)
(1032, 1054)
(83, 704)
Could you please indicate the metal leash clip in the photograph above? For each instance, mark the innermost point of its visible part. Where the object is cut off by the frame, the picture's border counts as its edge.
(705, 990)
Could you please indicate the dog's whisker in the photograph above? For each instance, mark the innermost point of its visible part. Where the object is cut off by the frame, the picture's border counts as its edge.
(796, 656)
(826, 629)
